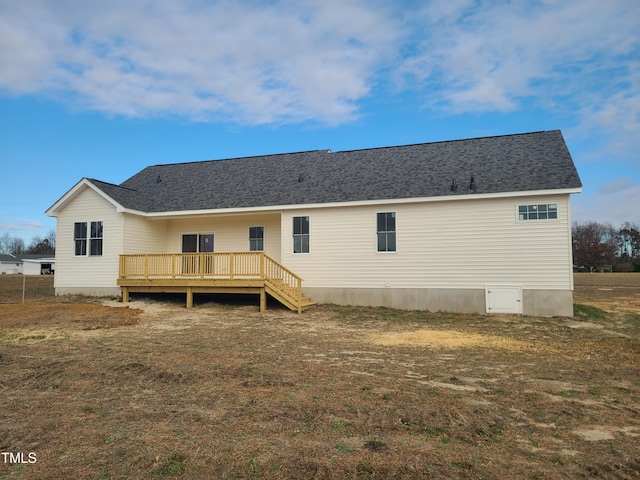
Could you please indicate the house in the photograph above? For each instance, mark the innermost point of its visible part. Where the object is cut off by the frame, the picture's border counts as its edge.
(27, 264)
(38, 264)
(474, 225)
(10, 264)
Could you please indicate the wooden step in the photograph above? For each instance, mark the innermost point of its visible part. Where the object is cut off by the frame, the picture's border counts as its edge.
(282, 296)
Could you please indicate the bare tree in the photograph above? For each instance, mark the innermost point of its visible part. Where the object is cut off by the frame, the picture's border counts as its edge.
(593, 245)
(13, 245)
(4, 243)
(628, 241)
(51, 237)
(40, 246)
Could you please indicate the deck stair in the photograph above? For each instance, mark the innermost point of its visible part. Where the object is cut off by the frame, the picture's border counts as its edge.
(277, 289)
(229, 272)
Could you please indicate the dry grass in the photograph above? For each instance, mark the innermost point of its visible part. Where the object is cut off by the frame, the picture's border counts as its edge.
(222, 391)
(37, 288)
(608, 291)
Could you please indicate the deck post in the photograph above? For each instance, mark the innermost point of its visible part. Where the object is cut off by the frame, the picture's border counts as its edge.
(189, 297)
(125, 295)
(263, 300)
(262, 261)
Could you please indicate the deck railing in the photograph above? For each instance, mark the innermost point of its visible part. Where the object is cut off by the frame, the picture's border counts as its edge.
(211, 266)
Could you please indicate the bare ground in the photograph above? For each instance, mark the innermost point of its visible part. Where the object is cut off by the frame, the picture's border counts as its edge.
(153, 390)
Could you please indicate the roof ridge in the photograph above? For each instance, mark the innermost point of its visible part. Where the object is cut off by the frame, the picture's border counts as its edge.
(111, 184)
(446, 141)
(240, 158)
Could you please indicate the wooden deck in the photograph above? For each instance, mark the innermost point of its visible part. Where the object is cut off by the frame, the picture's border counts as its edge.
(231, 272)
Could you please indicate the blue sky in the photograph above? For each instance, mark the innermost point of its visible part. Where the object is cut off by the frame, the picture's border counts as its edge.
(104, 89)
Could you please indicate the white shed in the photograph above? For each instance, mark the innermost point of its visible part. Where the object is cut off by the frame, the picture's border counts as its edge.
(10, 264)
(38, 266)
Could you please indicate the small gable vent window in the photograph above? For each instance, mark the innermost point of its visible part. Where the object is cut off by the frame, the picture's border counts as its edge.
(88, 233)
(540, 211)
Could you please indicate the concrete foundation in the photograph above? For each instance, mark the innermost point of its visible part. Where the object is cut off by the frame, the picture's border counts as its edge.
(546, 303)
(90, 291)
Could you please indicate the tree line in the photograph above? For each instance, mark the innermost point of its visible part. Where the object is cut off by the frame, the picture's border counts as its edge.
(14, 245)
(598, 246)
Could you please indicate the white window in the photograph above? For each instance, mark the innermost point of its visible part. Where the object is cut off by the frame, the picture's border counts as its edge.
(80, 238)
(300, 234)
(540, 211)
(386, 231)
(256, 239)
(94, 240)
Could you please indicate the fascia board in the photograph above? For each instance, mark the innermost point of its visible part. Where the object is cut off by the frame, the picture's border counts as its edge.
(74, 191)
(278, 208)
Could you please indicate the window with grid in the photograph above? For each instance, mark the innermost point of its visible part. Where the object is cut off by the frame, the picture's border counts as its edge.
(95, 241)
(300, 234)
(80, 238)
(386, 231)
(540, 211)
(256, 239)
(88, 234)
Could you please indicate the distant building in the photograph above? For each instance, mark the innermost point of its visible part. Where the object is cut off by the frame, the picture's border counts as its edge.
(27, 264)
(10, 264)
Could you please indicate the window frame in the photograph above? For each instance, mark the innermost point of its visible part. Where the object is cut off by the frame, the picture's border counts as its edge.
(256, 243)
(301, 236)
(96, 241)
(535, 208)
(387, 233)
(80, 241)
(88, 244)
(199, 241)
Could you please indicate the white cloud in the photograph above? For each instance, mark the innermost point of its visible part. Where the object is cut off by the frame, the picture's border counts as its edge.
(615, 202)
(281, 61)
(21, 226)
(252, 62)
(573, 57)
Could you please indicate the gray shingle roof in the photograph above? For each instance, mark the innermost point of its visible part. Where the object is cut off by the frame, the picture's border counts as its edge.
(509, 163)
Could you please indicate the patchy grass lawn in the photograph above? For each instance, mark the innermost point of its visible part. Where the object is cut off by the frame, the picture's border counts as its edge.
(222, 391)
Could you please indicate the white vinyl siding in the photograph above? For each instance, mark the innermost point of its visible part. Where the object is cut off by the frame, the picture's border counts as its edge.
(448, 244)
(88, 271)
(142, 235)
(230, 232)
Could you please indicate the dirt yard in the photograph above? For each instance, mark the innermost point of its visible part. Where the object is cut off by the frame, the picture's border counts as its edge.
(154, 390)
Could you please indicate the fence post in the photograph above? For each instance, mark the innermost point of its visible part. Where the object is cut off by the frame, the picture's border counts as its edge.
(24, 285)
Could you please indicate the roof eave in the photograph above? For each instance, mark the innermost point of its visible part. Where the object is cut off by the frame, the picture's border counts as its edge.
(277, 208)
(84, 183)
